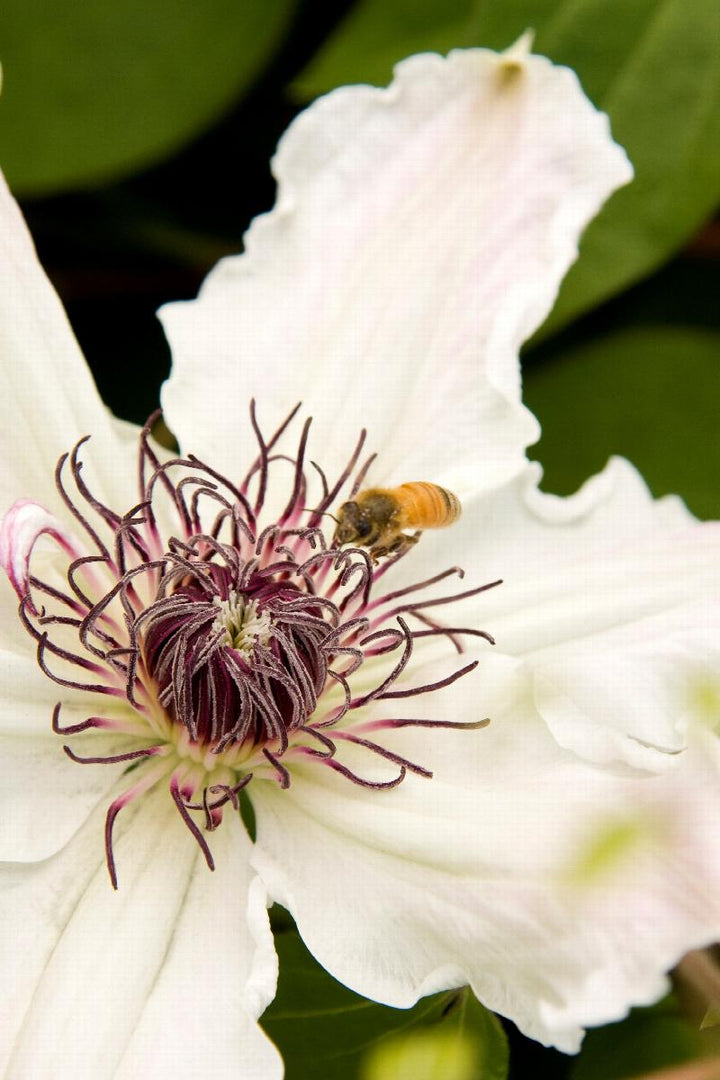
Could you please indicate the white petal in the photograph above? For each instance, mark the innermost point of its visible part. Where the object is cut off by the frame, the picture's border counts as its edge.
(630, 693)
(518, 531)
(487, 873)
(611, 597)
(419, 237)
(148, 980)
(219, 975)
(44, 796)
(47, 397)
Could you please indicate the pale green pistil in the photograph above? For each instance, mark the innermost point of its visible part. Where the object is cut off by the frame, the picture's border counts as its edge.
(244, 625)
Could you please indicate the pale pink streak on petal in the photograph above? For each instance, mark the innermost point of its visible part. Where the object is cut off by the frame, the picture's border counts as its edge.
(20, 529)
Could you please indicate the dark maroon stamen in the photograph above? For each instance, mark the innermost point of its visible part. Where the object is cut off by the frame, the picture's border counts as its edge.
(185, 815)
(112, 759)
(428, 687)
(73, 729)
(283, 773)
(395, 722)
(376, 785)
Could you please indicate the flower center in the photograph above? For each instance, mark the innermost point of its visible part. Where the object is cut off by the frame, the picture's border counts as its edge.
(236, 653)
(230, 646)
(243, 622)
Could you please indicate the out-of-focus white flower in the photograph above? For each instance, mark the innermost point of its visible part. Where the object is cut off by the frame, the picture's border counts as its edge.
(198, 636)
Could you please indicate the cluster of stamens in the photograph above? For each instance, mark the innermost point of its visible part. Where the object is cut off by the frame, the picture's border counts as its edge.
(231, 642)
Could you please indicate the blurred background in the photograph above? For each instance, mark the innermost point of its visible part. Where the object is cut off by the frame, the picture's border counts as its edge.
(138, 138)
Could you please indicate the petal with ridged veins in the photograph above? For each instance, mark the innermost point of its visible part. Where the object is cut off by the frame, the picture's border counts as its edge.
(47, 396)
(419, 237)
(97, 974)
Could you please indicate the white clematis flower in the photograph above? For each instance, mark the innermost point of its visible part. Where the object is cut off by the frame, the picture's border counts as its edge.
(198, 635)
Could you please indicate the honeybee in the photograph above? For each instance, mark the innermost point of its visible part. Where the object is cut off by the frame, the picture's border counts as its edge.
(376, 518)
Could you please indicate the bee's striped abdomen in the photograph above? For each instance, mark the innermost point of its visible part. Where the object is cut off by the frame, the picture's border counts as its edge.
(428, 506)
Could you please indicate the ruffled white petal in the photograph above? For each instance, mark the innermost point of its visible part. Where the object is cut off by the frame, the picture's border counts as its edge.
(631, 693)
(520, 531)
(419, 237)
(47, 397)
(561, 891)
(149, 980)
(612, 599)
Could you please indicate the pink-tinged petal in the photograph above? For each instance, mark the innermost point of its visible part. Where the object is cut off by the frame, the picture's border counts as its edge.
(560, 891)
(20, 529)
(420, 235)
(47, 396)
(162, 978)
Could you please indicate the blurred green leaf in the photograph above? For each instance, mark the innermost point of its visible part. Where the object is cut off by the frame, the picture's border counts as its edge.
(664, 104)
(470, 1045)
(378, 33)
(95, 90)
(326, 1032)
(648, 1039)
(651, 394)
(423, 1055)
(653, 65)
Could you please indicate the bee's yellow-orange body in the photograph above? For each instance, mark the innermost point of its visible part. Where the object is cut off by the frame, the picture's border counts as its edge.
(377, 517)
(422, 505)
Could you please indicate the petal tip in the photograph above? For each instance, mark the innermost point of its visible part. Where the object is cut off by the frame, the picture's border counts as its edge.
(512, 61)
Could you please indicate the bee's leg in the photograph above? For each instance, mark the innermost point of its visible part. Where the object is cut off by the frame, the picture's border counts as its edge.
(398, 546)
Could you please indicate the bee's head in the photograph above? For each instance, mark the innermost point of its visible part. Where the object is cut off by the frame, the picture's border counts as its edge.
(353, 525)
